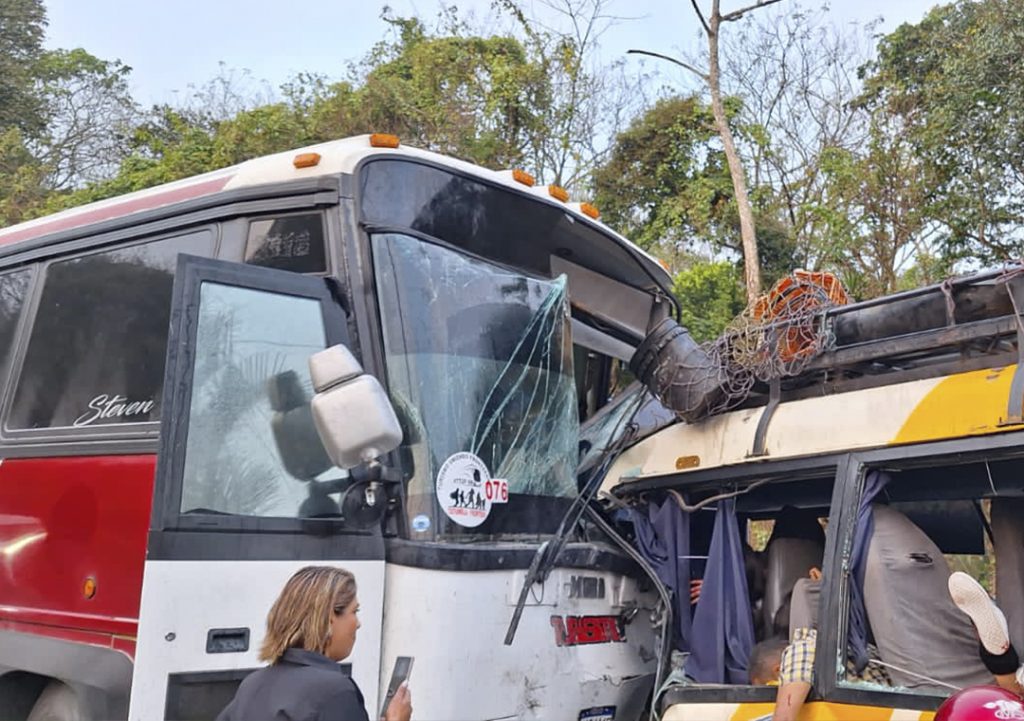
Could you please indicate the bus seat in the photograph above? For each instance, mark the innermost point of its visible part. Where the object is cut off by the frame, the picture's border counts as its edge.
(788, 560)
(916, 627)
(1008, 542)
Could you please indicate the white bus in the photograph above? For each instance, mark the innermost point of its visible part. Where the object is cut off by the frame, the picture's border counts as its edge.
(150, 511)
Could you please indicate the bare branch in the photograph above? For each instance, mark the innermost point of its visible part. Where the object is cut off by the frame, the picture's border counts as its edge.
(696, 71)
(737, 14)
(696, 9)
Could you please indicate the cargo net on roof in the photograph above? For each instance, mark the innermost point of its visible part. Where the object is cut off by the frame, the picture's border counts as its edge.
(775, 337)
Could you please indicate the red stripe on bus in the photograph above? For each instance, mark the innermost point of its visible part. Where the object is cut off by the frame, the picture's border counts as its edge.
(116, 210)
(65, 619)
(73, 635)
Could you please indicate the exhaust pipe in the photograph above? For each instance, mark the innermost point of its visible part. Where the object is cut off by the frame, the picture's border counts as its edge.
(684, 376)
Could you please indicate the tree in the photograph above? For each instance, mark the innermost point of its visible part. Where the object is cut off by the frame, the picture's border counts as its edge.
(585, 103)
(22, 179)
(459, 94)
(665, 185)
(22, 26)
(956, 82)
(796, 73)
(876, 226)
(712, 77)
(710, 296)
(89, 114)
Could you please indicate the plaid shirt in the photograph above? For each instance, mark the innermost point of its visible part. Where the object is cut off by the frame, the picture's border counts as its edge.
(798, 662)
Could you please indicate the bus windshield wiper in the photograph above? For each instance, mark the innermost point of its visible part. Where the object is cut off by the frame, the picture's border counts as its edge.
(549, 551)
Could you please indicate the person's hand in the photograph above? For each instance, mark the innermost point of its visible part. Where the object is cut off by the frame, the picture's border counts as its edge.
(814, 573)
(400, 708)
(695, 587)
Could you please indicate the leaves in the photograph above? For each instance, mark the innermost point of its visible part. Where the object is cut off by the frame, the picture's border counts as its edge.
(710, 295)
(956, 83)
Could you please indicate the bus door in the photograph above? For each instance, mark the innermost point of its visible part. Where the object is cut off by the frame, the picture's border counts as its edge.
(245, 494)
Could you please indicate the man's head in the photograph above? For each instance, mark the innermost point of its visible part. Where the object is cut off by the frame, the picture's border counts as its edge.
(765, 659)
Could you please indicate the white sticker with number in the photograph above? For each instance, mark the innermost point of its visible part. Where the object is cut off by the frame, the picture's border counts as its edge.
(466, 490)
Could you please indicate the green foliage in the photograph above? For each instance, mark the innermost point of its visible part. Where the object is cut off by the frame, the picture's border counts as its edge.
(956, 82)
(89, 114)
(463, 95)
(666, 182)
(460, 94)
(874, 213)
(22, 27)
(710, 295)
(22, 178)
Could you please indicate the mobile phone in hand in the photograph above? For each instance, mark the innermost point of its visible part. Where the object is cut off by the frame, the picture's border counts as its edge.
(399, 674)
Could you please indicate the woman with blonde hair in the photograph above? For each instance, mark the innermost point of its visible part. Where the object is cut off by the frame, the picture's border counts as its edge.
(311, 626)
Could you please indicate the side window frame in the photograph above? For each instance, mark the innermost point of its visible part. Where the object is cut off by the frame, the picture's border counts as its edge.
(10, 361)
(15, 364)
(235, 233)
(833, 466)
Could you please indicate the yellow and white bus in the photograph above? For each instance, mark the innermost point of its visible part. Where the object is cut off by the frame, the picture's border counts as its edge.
(915, 404)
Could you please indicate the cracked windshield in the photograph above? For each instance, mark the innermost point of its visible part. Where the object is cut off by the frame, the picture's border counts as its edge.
(479, 366)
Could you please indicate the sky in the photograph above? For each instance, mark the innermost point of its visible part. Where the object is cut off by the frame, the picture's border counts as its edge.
(171, 45)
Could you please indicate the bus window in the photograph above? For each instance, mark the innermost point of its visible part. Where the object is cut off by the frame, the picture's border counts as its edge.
(479, 362)
(252, 354)
(925, 524)
(96, 350)
(732, 597)
(288, 242)
(12, 296)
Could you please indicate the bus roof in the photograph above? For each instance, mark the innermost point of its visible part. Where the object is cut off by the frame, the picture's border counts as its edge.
(336, 157)
(959, 405)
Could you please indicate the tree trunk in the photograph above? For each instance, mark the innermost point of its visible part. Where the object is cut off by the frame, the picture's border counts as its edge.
(748, 235)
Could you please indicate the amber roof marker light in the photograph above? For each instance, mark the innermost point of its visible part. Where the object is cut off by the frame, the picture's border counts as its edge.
(559, 193)
(384, 140)
(306, 160)
(521, 176)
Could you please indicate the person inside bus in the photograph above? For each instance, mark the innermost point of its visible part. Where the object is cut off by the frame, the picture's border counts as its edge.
(994, 647)
(310, 628)
(922, 639)
(792, 660)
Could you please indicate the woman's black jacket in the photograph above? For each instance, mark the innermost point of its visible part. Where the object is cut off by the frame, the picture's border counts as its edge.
(301, 686)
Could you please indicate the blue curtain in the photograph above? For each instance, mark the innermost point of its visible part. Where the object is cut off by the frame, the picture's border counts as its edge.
(858, 634)
(663, 538)
(723, 626)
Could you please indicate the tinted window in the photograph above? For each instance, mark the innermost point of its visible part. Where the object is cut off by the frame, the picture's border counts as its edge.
(496, 223)
(12, 296)
(291, 242)
(96, 353)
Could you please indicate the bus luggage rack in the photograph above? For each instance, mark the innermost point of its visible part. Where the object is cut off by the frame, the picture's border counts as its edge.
(963, 324)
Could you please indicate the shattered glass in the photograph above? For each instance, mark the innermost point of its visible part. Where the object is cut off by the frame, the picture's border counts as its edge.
(479, 359)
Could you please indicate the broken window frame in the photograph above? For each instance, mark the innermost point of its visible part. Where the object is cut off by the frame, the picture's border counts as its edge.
(829, 666)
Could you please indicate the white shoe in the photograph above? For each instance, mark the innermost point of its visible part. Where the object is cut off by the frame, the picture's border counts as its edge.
(972, 599)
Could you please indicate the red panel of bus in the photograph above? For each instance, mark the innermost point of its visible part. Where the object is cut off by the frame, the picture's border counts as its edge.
(64, 521)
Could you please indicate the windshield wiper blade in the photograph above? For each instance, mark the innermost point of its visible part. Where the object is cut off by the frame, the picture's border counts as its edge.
(549, 551)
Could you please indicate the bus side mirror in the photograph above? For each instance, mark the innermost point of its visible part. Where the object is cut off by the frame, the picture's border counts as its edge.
(352, 413)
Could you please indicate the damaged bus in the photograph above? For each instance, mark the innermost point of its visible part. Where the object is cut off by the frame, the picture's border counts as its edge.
(162, 472)
(829, 465)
